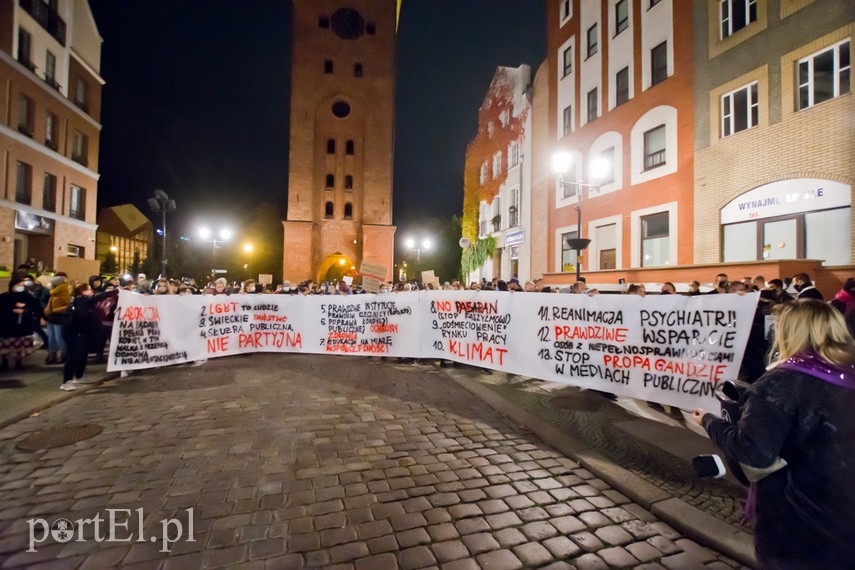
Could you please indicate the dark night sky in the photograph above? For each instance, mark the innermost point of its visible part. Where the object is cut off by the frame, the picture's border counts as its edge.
(196, 100)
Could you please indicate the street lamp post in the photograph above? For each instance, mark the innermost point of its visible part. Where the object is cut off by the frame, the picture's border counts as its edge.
(420, 246)
(162, 203)
(247, 248)
(561, 163)
(224, 235)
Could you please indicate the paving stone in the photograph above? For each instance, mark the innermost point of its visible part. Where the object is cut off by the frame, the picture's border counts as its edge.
(532, 554)
(614, 534)
(493, 506)
(385, 561)
(318, 558)
(617, 556)
(436, 516)
(471, 525)
(416, 557)
(682, 561)
(560, 565)
(519, 502)
(304, 542)
(664, 545)
(589, 562)
(373, 529)
(594, 519)
(386, 543)
(417, 504)
(539, 530)
(332, 520)
(693, 548)
(509, 537)
(643, 551)
(449, 550)
(504, 559)
(500, 491)
(480, 542)
(348, 552)
(407, 521)
(587, 541)
(465, 510)
(338, 536)
(444, 499)
(462, 564)
(413, 537)
(442, 532)
(503, 520)
(665, 530)
(532, 514)
(386, 510)
(266, 549)
(222, 557)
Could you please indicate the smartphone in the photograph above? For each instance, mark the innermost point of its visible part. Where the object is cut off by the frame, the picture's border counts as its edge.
(709, 466)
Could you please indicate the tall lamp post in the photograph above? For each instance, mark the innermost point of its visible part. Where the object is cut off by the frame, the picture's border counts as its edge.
(418, 246)
(561, 163)
(162, 203)
(247, 248)
(224, 235)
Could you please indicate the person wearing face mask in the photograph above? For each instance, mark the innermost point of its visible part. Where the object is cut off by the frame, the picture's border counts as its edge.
(19, 314)
(803, 284)
(82, 333)
(721, 285)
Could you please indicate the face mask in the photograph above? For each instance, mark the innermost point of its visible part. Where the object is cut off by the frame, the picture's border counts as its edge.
(722, 283)
(19, 288)
(798, 287)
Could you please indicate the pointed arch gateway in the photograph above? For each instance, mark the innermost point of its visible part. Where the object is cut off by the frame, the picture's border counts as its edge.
(334, 267)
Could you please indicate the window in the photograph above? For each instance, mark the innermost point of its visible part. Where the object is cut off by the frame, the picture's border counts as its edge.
(330, 146)
(739, 110)
(330, 182)
(568, 255)
(50, 131)
(497, 214)
(659, 63)
(592, 40)
(566, 7)
(608, 158)
(77, 204)
(497, 164)
(654, 147)
(80, 95)
(25, 41)
(490, 128)
(621, 16)
(592, 104)
(824, 76)
(569, 187)
(328, 66)
(568, 61)
(25, 115)
(50, 68)
(23, 183)
(622, 86)
(348, 182)
(514, 208)
(328, 210)
(655, 244)
(80, 148)
(736, 14)
(370, 28)
(505, 117)
(357, 70)
(348, 211)
(568, 120)
(74, 250)
(483, 174)
(348, 148)
(513, 154)
(324, 22)
(49, 193)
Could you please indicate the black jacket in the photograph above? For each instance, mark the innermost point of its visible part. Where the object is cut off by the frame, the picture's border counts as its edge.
(13, 325)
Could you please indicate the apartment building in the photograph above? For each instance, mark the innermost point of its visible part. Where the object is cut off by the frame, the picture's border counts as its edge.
(499, 176)
(774, 131)
(621, 106)
(50, 54)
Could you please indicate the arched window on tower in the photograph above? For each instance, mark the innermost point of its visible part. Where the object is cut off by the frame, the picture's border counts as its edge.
(348, 148)
(330, 181)
(330, 146)
(348, 211)
(348, 182)
(328, 210)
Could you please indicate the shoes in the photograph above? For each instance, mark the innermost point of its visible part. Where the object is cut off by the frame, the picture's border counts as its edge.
(82, 381)
(199, 362)
(50, 359)
(124, 373)
(68, 386)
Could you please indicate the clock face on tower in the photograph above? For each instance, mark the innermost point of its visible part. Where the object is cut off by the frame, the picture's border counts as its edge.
(347, 23)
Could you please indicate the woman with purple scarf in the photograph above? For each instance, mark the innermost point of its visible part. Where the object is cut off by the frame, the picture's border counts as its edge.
(796, 437)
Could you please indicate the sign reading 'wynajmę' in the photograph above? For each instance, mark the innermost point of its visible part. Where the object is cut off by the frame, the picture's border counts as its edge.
(668, 349)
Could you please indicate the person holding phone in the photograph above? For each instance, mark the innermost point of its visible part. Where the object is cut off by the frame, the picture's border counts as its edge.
(796, 432)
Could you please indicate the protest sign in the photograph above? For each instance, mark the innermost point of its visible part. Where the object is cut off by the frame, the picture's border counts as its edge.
(372, 270)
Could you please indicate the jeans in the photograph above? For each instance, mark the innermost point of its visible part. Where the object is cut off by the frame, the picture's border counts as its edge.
(56, 342)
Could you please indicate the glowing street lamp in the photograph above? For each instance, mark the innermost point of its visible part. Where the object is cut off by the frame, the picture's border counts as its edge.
(217, 240)
(423, 245)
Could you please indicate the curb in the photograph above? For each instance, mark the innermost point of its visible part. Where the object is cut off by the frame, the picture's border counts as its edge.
(684, 517)
(51, 401)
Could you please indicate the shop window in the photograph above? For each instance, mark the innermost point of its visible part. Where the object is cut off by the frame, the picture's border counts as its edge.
(824, 75)
(739, 110)
(736, 14)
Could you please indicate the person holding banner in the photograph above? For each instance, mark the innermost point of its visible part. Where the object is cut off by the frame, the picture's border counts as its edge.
(796, 435)
(82, 333)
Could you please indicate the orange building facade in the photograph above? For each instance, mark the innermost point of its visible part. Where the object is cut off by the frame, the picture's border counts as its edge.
(342, 133)
(620, 76)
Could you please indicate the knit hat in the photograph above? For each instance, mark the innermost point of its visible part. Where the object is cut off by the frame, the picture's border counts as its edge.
(56, 280)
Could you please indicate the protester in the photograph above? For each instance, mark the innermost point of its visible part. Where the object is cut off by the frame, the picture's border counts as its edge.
(19, 315)
(799, 412)
(694, 288)
(805, 288)
(56, 315)
(668, 288)
(83, 334)
(720, 285)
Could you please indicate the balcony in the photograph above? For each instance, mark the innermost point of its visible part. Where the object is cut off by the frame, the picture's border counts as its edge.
(46, 17)
(53, 83)
(24, 60)
(25, 130)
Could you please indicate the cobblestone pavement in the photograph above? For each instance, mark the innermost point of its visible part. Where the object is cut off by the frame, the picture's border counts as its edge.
(291, 461)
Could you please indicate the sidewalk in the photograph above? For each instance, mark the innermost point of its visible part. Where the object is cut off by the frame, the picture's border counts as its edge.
(28, 391)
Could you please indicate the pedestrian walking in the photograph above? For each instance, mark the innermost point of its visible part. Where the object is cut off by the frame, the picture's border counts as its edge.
(796, 439)
(82, 333)
(20, 314)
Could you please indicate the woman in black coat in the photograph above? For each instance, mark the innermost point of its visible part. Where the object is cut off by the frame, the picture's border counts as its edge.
(797, 432)
(82, 333)
(19, 314)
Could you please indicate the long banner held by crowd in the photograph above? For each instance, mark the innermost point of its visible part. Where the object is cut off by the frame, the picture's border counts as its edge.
(669, 349)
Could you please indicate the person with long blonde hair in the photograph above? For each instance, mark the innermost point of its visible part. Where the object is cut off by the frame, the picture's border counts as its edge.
(796, 433)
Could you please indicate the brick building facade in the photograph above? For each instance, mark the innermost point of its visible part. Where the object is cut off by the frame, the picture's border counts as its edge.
(342, 121)
(49, 134)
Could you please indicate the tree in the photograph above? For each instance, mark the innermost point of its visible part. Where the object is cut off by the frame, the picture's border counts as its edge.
(108, 266)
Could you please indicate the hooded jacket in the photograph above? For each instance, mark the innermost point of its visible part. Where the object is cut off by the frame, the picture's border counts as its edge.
(56, 310)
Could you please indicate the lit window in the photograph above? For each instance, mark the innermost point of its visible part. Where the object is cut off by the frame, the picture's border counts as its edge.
(77, 203)
(824, 75)
(659, 63)
(739, 110)
(621, 16)
(736, 14)
(655, 240)
(568, 255)
(592, 40)
(654, 147)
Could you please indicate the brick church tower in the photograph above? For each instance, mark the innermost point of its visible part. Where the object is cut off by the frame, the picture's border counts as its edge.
(342, 129)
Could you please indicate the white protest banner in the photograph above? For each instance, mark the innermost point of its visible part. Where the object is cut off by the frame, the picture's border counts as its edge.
(667, 349)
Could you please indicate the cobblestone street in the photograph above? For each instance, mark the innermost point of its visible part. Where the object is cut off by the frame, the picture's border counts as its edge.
(292, 461)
